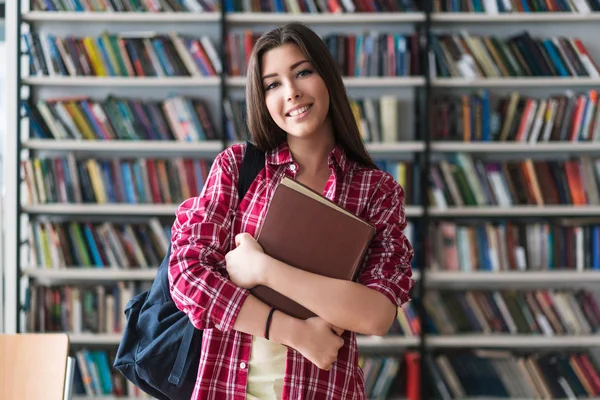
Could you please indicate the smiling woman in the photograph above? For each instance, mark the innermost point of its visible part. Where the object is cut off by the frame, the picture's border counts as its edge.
(293, 59)
(300, 117)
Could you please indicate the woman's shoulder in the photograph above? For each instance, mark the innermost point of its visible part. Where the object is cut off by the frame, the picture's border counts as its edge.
(379, 181)
(231, 157)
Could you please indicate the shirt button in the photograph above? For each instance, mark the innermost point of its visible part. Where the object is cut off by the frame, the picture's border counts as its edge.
(293, 167)
(243, 365)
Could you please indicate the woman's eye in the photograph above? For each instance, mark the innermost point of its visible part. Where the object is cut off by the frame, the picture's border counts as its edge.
(304, 72)
(271, 86)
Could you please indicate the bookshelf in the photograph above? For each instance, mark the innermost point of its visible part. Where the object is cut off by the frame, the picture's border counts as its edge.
(421, 147)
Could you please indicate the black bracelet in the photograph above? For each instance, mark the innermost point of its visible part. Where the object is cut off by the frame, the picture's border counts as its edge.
(268, 326)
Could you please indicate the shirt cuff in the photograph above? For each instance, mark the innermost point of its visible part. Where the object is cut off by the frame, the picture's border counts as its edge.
(397, 294)
(228, 301)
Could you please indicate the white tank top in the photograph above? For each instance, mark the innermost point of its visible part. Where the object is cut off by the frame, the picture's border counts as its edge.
(266, 370)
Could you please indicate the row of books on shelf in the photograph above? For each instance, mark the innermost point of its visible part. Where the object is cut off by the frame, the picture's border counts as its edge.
(128, 5)
(378, 118)
(476, 56)
(94, 376)
(484, 374)
(118, 118)
(77, 309)
(150, 54)
(124, 181)
(311, 6)
(527, 312)
(110, 245)
(457, 181)
(503, 374)
(490, 247)
(479, 117)
(322, 6)
(511, 6)
(99, 308)
(460, 374)
(181, 118)
(66, 179)
(462, 180)
(278, 6)
(484, 117)
(81, 245)
(364, 54)
(361, 54)
(515, 246)
(124, 54)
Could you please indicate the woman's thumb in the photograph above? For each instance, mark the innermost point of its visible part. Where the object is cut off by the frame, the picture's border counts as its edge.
(240, 238)
(338, 331)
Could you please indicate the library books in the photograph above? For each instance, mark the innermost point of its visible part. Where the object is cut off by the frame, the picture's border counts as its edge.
(473, 56)
(503, 374)
(484, 117)
(97, 308)
(378, 118)
(94, 376)
(112, 180)
(296, 6)
(132, 54)
(362, 54)
(507, 6)
(128, 6)
(87, 244)
(511, 245)
(121, 118)
(527, 312)
(307, 231)
(322, 6)
(462, 180)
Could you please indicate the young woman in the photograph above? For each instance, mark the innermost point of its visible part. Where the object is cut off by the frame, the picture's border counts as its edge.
(299, 114)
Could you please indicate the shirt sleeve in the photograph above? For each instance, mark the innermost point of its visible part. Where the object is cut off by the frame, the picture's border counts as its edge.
(387, 265)
(201, 236)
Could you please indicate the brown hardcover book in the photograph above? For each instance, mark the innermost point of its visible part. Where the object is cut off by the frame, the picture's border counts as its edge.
(308, 231)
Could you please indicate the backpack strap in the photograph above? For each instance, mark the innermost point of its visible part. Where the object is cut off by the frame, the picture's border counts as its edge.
(184, 347)
(252, 163)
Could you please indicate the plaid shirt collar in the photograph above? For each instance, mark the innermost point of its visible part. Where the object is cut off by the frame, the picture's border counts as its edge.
(282, 155)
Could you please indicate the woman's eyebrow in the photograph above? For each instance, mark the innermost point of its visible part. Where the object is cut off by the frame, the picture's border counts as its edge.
(294, 65)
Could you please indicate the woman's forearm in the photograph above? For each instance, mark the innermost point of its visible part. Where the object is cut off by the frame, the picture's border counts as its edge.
(345, 304)
(252, 320)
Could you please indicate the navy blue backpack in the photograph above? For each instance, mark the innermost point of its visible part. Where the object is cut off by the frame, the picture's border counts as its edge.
(159, 351)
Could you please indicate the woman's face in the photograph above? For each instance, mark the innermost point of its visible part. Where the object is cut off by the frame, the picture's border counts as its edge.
(295, 94)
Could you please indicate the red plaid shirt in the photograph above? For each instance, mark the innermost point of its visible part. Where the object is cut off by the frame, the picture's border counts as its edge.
(203, 233)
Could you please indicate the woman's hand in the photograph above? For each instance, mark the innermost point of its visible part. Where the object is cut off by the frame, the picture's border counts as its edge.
(319, 342)
(244, 264)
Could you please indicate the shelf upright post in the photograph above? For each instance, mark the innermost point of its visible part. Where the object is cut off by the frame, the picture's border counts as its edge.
(222, 78)
(424, 165)
(12, 177)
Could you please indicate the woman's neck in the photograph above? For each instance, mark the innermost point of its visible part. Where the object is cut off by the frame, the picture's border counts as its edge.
(311, 155)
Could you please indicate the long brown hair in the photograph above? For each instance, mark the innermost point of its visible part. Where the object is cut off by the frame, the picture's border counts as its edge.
(265, 132)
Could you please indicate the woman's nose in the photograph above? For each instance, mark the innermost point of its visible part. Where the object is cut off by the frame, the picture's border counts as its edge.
(293, 92)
